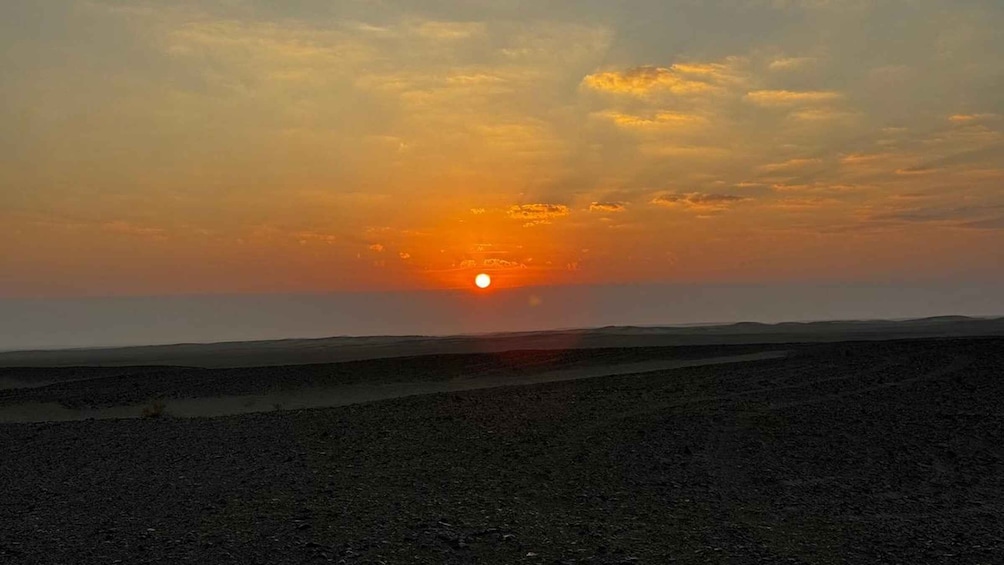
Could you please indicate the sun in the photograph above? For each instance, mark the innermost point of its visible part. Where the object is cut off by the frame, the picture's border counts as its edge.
(483, 280)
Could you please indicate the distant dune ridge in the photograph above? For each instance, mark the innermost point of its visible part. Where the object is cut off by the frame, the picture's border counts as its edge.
(337, 349)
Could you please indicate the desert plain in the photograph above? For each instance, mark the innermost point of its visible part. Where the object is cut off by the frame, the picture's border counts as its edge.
(610, 446)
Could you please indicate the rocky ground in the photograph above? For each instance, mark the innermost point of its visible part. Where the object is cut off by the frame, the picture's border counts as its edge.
(888, 452)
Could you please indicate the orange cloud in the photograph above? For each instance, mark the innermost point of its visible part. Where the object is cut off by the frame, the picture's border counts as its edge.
(126, 228)
(376, 247)
(537, 212)
(698, 201)
(305, 237)
(791, 164)
(918, 170)
(607, 207)
(502, 264)
(640, 81)
(821, 114)
(968, 118)
(707, 69)
(661, 119)
(790, 97)
(790, 63)
(815, 188)
(860, 158)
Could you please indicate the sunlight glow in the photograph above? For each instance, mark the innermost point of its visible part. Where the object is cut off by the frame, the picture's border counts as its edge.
(482, 280)
(440, 139)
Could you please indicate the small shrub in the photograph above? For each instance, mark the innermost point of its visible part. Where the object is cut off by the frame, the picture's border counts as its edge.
(154, 410)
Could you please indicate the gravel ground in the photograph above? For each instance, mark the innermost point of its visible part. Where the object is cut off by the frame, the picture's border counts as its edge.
(850, 453)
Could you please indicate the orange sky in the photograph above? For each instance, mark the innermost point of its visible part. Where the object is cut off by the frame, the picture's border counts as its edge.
(237, 146)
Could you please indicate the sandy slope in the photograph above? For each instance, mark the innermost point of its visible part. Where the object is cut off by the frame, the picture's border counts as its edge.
(341, 395)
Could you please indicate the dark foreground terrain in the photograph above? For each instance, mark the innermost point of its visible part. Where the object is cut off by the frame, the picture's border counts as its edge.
(870, 452)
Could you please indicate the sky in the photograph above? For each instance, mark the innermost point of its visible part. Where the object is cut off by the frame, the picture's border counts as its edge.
(234, 147)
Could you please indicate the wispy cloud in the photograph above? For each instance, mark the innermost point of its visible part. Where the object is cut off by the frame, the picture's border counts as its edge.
(537, 211)
(791, 63)
(791, 165)
(450, 31)
(640, 81)
(658, 120)
(791, 97)
(607, 207)
(698, 201)
(121, 227)
(916, 170)
(988, 224)
(496, 263)
(970, 118)
(822, 114)
(305, 237)
(982, 217)
(863, 158)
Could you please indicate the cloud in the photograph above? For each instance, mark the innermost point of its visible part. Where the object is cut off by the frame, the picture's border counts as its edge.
(791, 63)
(714, 70)
(450, 31)
(809, 203)
(821, 114)
(658, 120)
(376, 247)
(817, 187)
(478, 211)
(917, 170)
(607, 207)
(537, 212)
(126, 228)
(404, 256)
(305, 237)
(695, 152)
(698, 201)
(273, 52)
(863, 158)
(640, 81)
(475, 78)
(771, 98)
(985, 174)
(569, 43)
(496, 263)
(989, 224)
(790, 165)
(970, 118)
(468, 264)
(962, 216)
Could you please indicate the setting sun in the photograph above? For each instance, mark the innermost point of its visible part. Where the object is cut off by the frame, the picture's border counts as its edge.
(483, 280)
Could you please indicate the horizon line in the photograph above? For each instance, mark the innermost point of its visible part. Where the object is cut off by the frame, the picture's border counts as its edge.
(557, 330)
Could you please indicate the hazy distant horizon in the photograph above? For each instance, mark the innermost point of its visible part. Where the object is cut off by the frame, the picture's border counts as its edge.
(56, 323)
